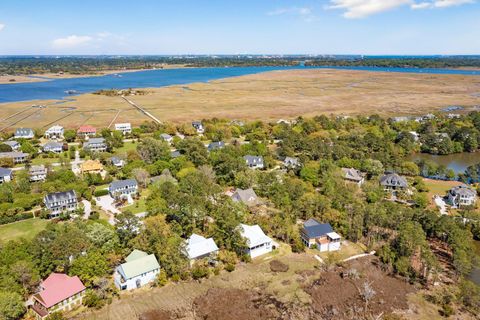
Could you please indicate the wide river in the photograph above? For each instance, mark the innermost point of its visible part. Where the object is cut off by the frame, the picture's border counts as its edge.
(55, 89)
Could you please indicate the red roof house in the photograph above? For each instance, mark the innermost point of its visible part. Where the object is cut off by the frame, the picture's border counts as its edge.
(87, 130)
(59, 292)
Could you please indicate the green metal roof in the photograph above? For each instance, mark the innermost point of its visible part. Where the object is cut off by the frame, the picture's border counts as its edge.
(139, 266)
(135, 254)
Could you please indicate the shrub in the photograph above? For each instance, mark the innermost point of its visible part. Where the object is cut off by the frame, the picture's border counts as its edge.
(161, 279)
(230, 267)
(99, 193)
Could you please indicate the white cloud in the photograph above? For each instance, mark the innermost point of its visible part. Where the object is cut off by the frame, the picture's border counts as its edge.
(71, 41)
(2, 26)
(450, 3)
(304, 12)
(355, 9)
(363, 8)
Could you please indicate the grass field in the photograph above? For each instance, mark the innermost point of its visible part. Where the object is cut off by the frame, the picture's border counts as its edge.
(438, 187)
(22, 229)
(127, 146)
(267, 96)
(139, 205)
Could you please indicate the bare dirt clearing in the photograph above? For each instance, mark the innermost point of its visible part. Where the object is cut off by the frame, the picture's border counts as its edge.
(266, 96)
(253, 291)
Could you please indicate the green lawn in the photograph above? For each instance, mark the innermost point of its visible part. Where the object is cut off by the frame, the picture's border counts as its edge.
(127, 146)
(139, 205)
(44, 161)
(22, 229)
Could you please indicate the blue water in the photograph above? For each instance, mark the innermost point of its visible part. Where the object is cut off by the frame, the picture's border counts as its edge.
(55, 89)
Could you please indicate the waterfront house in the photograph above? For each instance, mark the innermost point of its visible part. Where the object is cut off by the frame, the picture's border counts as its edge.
(247, 197)
(12, 144)
(5, 175)
(37, 173)
(254, 162)
(91, 166)
(217, 145)
(258, 243)
(17, 157)
(166, 137)
(198, 247)
(117, 162)
(138, 270)
(95, 145)
(86, 131)
(320, 235)
(461, 196)
(24, 133)
(59, 202)
(55, 132)
(353, 175)
(291, 162)
(58, 293)
(198, 126)
(393, 182)
(52, 146)
(124, 128)
(123, 188)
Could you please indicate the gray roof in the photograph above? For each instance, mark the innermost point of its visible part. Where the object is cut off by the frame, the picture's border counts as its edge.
(315, 229)
(175, 154)
(95, 140)
(393, 180)
(52, 145)
(13, 154)
(253, 160)
(291, 161)
(463, 190)
(165, 136)
(246, 196)
(11, 143)
(198, 246)
(5, 172)
(22, 132)
(115, 160)
(37, 169)
(216, 145)
(352, 174)
(61, 196)
(122, 184)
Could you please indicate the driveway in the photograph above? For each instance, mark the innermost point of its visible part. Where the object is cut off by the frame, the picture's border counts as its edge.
(440, 204)
(87, 208)
(106, 203)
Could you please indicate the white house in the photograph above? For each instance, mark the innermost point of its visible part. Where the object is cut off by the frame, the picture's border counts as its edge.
(199, 247)
(125, 128)
(123, 188)
(353, 175)
(461, 196)
(166, 137)
(37, 173)
(139, 269)
(320, 235)
(25, 133)
(54, 132)
(5, 175)
(257, 241)
(52, 146)
(117, 162)
(198, 125)
(59, 202)
(12, 144)
(291, 162)
(254, 162)
(17, 157)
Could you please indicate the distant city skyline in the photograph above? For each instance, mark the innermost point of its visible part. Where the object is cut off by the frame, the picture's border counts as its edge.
(170, 27)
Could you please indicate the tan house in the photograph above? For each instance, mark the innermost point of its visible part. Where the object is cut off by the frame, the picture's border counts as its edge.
(91, 166)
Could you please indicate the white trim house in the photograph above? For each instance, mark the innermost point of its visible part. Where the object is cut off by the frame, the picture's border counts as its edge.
(5, 175)
(54, 132)
(258, 242)
(199, 247)
(124, 128)
(461, 196)
(59, 202)
(139, 269)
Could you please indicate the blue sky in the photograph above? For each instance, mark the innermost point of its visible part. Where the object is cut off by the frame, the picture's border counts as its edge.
(237, 27)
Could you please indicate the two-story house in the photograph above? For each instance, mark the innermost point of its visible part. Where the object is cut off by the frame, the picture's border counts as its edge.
(124, 128)
(138, 270)
(320, 235)
(54, 132)
(254, 162)
(198, 125)
(123, 188)
(17, 157)
(461, 196)
(37, 173)
(24, 133)
(95, 145)
(59, 202)
(58, 293)
(86, 131)
(53, 146)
